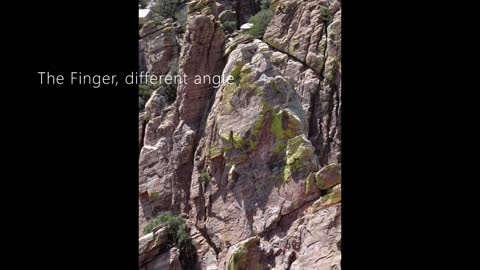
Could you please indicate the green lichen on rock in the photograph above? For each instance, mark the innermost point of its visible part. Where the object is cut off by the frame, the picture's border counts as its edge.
(298, 149)
(326, 201)
(247, 79)
(236, 71)
(243, 81)
(277, 128)
(331, 69)
(238, 140)
(257, 126)
(214, 151)
(235, 147)
(238, 260)
(329, 176)
(153, 195)
(167, 29)
(252, 144)
(308, 183)
(227, 95)
(232, 140)
(284, 126)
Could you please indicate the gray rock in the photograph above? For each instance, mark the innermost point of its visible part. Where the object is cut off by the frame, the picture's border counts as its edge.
(227, 16)
(159, 48)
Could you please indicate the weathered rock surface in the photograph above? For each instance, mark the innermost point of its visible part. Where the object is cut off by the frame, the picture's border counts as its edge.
(202, 56)
(168, 260)
(310, 31)
(312, 242)
(152, 244)
(244, 9)
(254, 165)
(158, 46)
(255, 147)
(166, 158)
(227, 16)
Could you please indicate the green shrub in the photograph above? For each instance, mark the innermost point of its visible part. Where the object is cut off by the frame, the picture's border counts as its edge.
(260, 22)
(177, 236)
(169, 91)
(144, 93)
(165, 8)
(230, 26)
(175, 224)
(325, 14)
(204, 177)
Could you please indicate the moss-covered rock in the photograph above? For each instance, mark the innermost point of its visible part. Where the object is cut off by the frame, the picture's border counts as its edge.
(298, 154)
(285, 125)
(328, 200)
(214, 151)
(242, 252)
(328, 176)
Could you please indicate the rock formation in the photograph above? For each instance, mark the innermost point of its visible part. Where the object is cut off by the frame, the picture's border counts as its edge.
(254, 166)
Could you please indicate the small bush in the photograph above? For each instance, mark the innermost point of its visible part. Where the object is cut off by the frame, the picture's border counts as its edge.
(204, 177)
(230, 26)
(260, 22)
(169, 91)
(325, 14)
(144, 93)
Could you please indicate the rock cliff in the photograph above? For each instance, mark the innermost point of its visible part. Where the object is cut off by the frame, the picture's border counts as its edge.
(253, 166)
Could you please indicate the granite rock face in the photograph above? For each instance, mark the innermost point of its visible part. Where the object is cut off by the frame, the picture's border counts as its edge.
(254, 166)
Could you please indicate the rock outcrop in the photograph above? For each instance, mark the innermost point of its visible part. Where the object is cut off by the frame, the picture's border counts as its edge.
(244, 9)
(310, 31)
(166, 158)
(154, 253)
(158, 46)
(254, 165)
